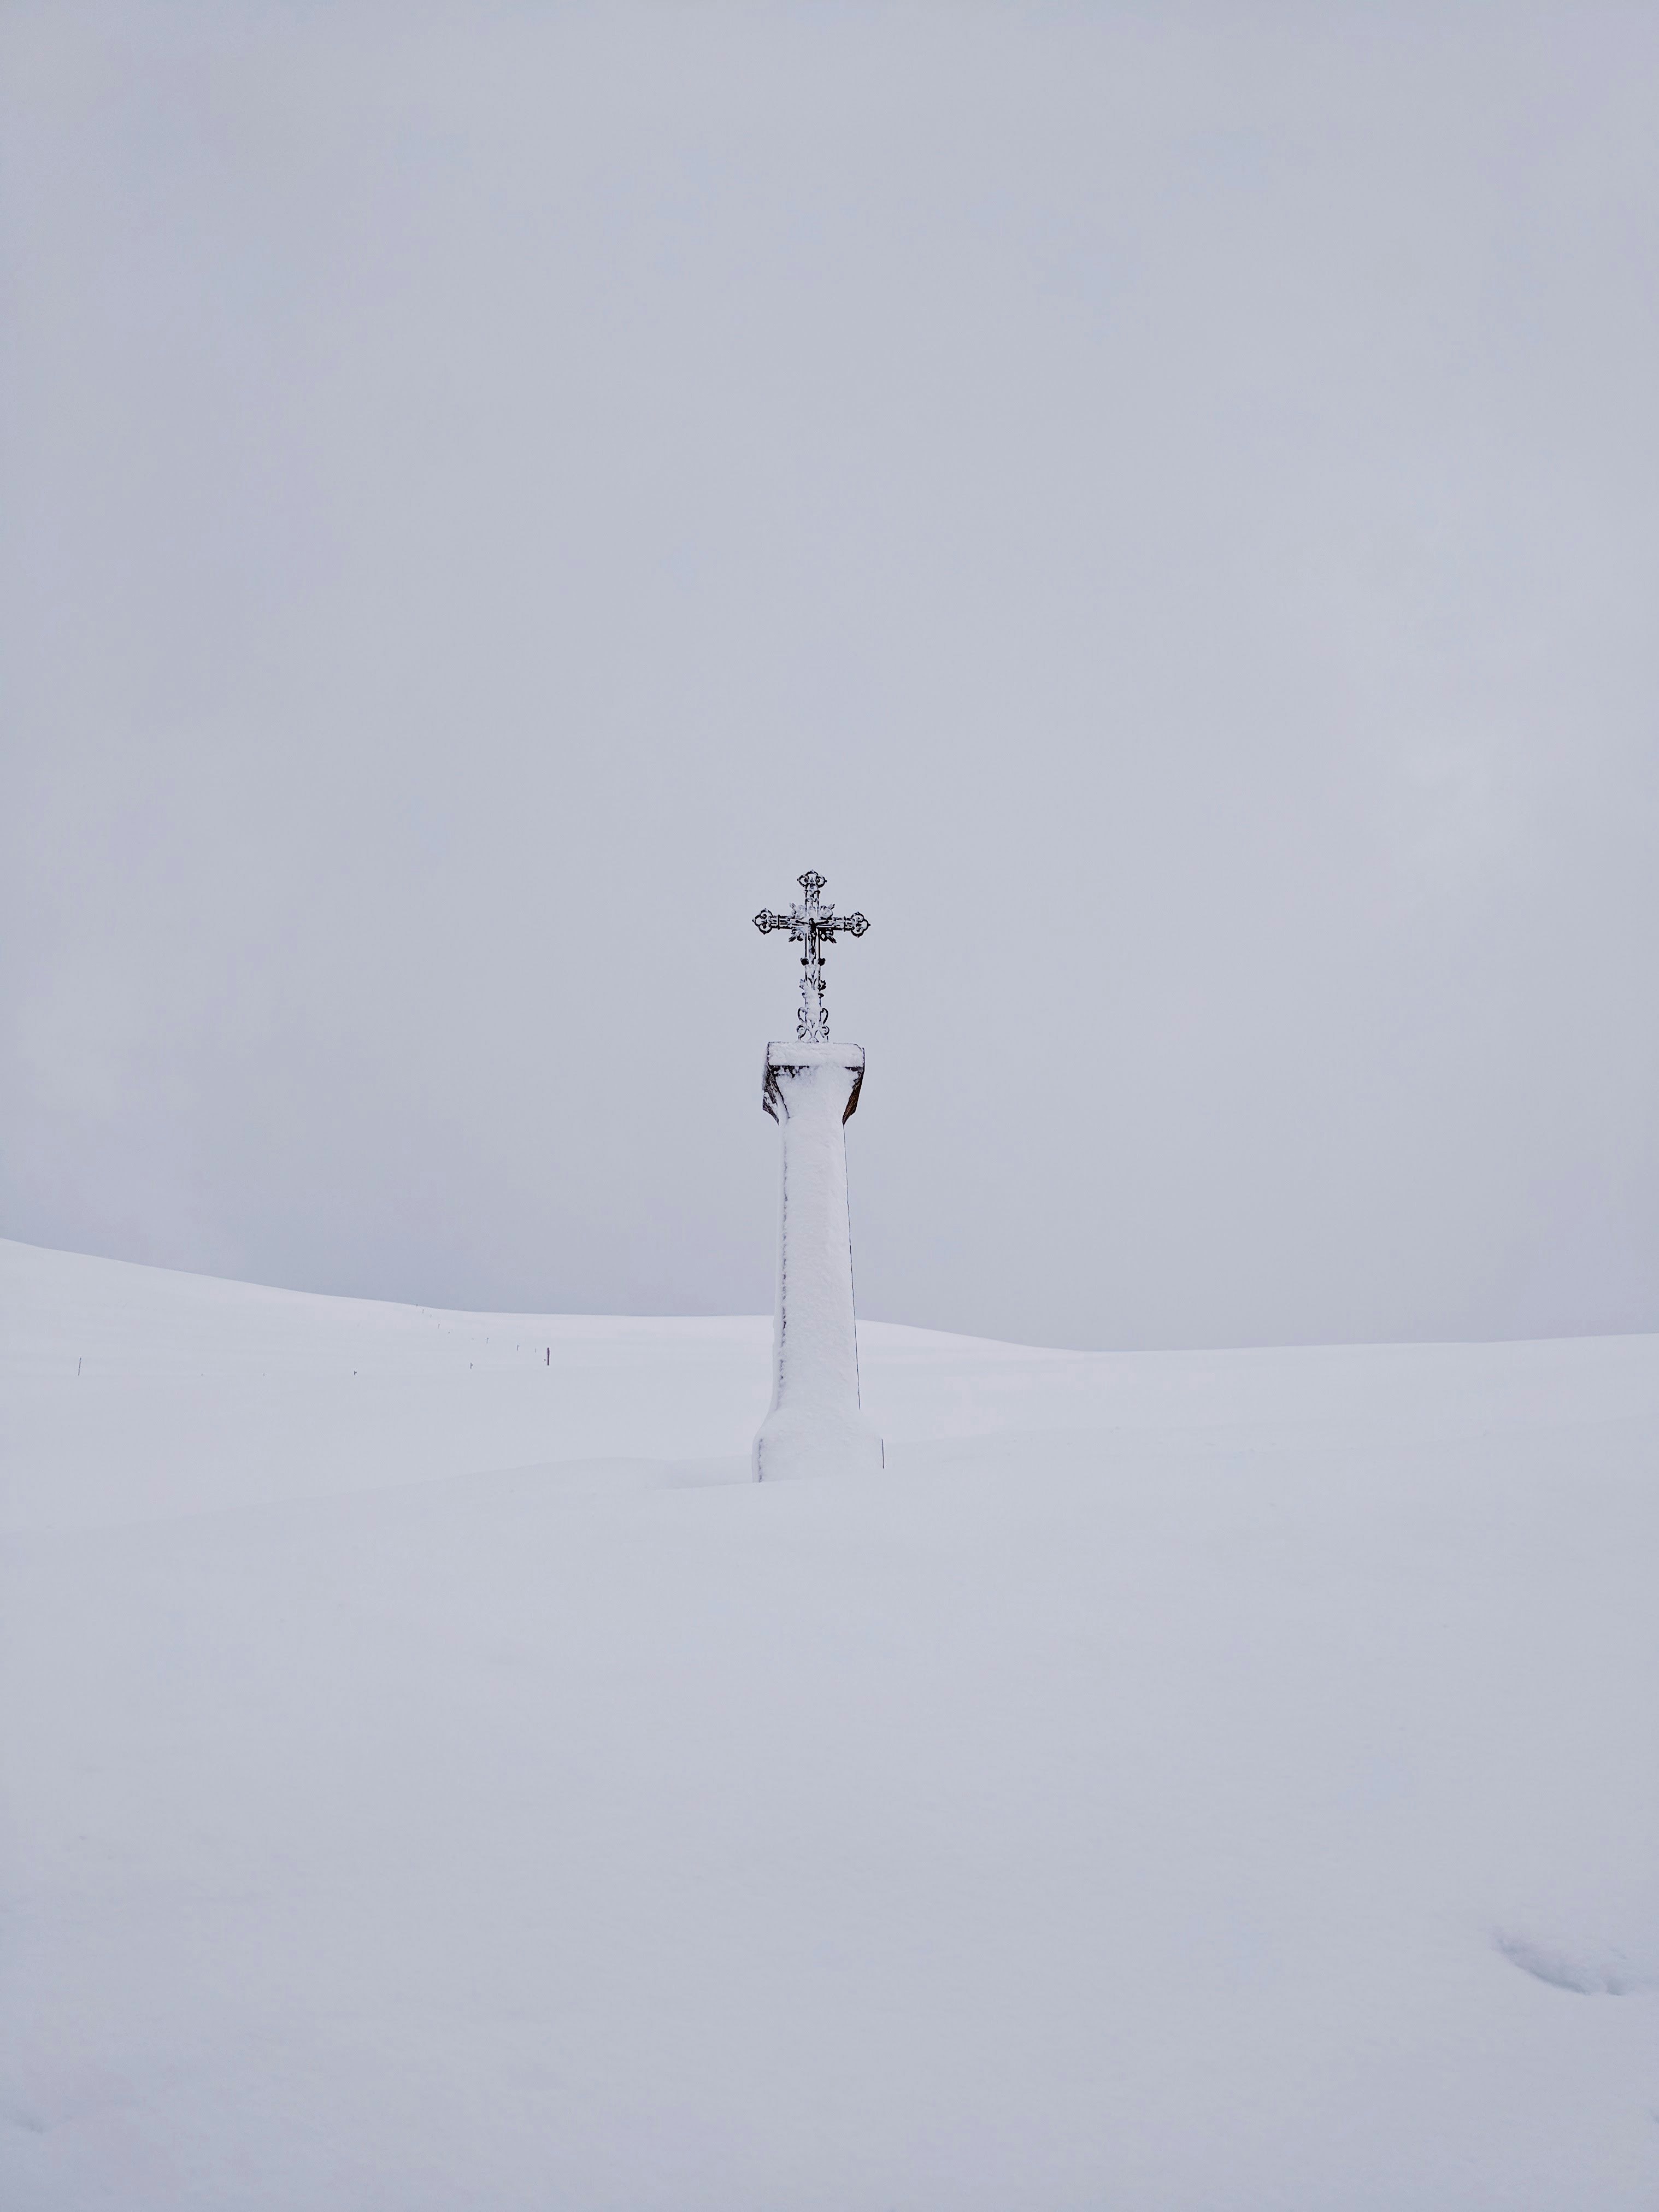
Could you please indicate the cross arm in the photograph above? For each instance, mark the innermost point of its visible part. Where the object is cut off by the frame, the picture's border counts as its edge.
(766, 919)
(853, 924)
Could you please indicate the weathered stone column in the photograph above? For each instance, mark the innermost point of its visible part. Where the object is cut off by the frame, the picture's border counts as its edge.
(815, 1427)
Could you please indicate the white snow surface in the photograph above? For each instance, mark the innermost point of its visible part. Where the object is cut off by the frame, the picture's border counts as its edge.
(436, 1778)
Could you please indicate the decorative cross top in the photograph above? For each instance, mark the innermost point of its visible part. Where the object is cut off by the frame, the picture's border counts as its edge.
(811, 926)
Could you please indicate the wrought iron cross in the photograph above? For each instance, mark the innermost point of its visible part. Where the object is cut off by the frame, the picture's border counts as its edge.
(811, 926)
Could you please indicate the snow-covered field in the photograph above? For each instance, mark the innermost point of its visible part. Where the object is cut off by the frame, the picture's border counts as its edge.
(434, 1778)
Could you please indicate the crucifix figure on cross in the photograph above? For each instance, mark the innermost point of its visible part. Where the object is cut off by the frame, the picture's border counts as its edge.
(811, 926)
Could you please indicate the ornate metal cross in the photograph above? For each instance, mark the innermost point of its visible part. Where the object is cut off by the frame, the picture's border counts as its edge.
(811, 926)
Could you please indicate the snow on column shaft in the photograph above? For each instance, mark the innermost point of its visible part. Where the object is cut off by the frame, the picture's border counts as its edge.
(815, 1427)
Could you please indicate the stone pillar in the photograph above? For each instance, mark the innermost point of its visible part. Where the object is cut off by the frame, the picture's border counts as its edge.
(815, 1427)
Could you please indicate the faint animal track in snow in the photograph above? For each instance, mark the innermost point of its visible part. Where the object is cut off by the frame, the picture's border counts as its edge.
(1592, 1971)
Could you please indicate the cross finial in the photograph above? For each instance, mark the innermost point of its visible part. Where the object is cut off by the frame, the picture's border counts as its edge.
(812, 925)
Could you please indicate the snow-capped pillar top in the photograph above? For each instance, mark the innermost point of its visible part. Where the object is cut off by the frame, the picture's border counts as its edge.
(815, 1425)
(792, 1060)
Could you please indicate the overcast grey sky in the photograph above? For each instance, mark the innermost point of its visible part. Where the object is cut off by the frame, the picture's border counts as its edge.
(1160, 505)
